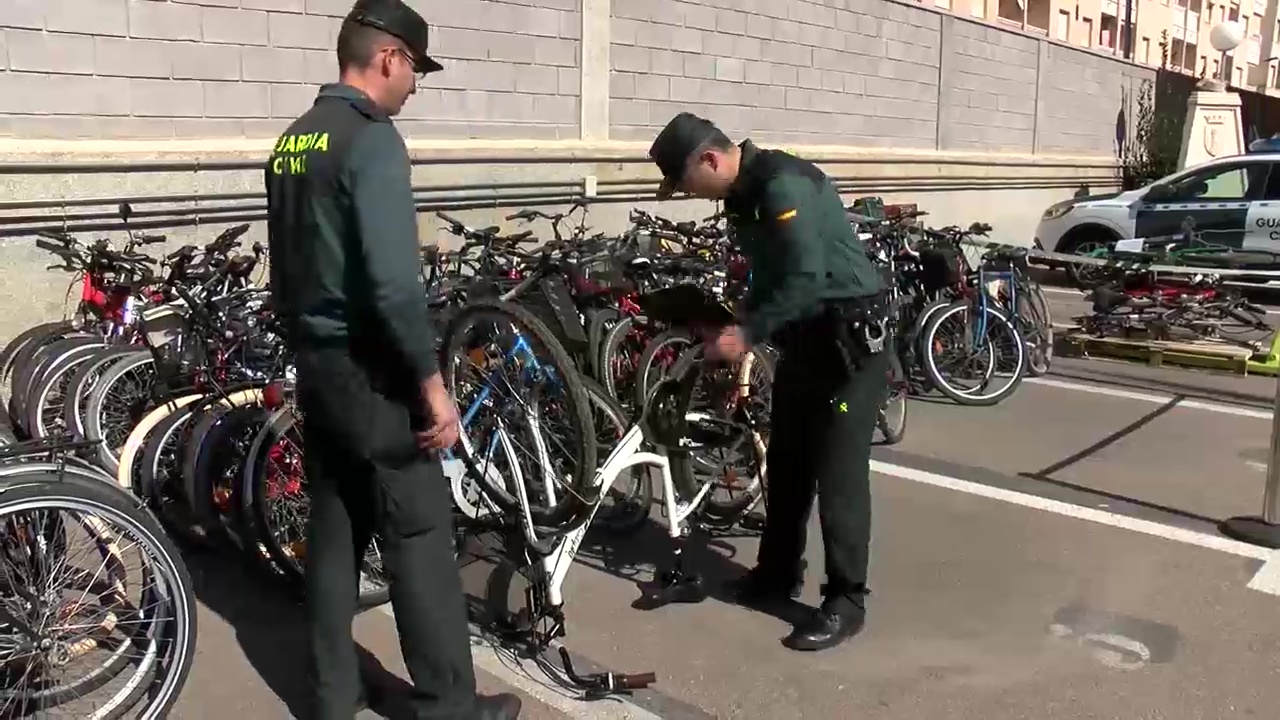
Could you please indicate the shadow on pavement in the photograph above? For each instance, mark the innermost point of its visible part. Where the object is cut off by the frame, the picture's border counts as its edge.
(638, 557)
(269, 624)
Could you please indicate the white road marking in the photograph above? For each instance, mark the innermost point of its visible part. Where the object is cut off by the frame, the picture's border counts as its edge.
(1266, 580)
(1157, 398)
(529, 679)
(1062, 291)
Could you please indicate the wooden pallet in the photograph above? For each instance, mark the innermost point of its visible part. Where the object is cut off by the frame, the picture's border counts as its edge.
(1156, 353)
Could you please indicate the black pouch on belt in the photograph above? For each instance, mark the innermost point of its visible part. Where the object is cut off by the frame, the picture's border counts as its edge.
(860, 327)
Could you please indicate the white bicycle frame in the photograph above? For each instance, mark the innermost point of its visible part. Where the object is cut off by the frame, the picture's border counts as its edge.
(626, 455)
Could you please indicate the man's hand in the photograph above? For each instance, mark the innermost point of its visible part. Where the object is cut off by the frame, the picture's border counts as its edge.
(729, 343)
(443, 412)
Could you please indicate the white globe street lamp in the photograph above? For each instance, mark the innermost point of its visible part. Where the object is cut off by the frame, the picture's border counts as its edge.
(1224, 37)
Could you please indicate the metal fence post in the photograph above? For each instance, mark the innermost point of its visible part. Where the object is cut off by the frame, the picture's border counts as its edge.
(1264, 530)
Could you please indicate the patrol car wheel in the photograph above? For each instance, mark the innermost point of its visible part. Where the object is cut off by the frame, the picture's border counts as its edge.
(1082, 243)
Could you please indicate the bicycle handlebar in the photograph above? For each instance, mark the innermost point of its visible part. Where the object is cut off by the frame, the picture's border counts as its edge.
(607, 681)
(450, 219)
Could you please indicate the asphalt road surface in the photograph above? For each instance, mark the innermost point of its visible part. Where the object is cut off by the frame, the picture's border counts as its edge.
(1052, 557)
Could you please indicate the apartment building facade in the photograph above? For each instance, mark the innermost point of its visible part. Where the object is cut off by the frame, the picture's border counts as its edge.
(1184, 25)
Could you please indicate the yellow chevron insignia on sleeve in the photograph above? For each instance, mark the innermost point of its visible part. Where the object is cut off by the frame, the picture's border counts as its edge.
(787, 215)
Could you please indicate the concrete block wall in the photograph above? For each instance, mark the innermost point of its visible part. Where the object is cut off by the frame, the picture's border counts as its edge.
(831, 72)
(861, 73)
(868, 73)
(151, 69)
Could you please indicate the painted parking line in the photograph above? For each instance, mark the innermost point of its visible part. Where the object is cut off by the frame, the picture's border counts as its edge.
(1266, 580)
(1156, 398)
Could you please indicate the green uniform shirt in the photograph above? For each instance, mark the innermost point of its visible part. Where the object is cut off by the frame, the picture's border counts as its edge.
(790, 222)
(343, 234)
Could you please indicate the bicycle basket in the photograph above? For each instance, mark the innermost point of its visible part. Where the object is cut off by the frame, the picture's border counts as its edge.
(685, 305)
(601, 275)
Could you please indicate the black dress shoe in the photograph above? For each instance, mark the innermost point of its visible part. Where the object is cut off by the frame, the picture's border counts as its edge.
(503, 706)
(760, 587)
(825, 629)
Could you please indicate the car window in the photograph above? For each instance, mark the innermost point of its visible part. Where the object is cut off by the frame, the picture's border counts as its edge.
(1220, 183)
(1272, 190)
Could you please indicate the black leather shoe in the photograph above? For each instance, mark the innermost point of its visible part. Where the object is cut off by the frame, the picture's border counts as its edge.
(825, 629)
(503, 706)
(759, 587)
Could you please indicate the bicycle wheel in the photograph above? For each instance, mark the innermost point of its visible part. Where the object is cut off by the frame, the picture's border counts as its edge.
(655, 362)
(630, 498)
(120, 398)
(279, 509)
(552, 418)
(1034, 316)
(9, 354)
(891, 420)
(130, 617)
(85, 379)
(963, 366)
(29, 374)
(46, 401)
(735, 469)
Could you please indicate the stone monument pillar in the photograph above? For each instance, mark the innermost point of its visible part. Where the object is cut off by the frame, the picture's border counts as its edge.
(1213, 128)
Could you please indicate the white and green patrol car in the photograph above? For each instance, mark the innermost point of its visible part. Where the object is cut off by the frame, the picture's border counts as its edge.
(1235, 200)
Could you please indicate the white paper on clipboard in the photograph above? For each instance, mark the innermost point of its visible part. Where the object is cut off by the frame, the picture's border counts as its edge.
(1130, 245)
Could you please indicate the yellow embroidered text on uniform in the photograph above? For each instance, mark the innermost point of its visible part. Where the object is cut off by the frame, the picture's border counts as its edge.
(291, 152)
(787, 215)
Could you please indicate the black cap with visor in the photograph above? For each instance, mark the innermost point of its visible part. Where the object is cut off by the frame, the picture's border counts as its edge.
(402, 22)
(681, 138)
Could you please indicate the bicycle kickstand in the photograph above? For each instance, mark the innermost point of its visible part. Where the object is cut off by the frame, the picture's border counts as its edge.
(678, 585)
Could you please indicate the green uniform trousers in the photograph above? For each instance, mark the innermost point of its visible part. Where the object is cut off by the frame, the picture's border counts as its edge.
(821, 427)
(366, 476)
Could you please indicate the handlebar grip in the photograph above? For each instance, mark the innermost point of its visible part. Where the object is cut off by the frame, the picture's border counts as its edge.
(150, 239)
(448, 218)
(638, 681)
(523, 215)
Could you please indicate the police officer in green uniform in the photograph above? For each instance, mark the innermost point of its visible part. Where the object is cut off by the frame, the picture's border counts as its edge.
(345, 282)
(817, 298)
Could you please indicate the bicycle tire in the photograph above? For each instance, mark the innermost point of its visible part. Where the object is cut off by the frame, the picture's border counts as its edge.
(639, 500)
(255, 495)
(29, 373)
(107, 455)
(83, 382)
(609, 347)
(713, 512)
(15, 346)
(645, 379)
(891, 428)
(998, 319)
(220, 459)
(103, 500)
(576, 505)
(1035, 312)
(57, 374)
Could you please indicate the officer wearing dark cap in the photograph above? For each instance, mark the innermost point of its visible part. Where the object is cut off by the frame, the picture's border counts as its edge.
(345, 282)
(818, 299)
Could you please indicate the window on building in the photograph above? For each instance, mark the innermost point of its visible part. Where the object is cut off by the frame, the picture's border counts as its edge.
(1063, 32)
(1145, 48)
(1087, 31)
